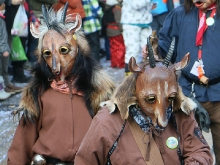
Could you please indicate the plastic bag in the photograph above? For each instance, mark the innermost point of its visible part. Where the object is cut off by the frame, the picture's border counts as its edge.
(17, 50)
(20, 24)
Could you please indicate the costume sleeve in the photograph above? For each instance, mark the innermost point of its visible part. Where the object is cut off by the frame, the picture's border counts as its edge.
(170, 29)
(195, 149)
(94, 147)
(3, 38)
(117, 16)
(20, 151)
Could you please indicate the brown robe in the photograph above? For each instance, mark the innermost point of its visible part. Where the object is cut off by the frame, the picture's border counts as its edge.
(105, 129)
(57, 133)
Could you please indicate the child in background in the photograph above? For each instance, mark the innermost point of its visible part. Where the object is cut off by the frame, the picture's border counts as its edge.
(136, 18)
(4, 59)
(114, 33)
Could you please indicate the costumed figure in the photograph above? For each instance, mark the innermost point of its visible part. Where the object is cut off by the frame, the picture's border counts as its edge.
(64, 95)
(147, 121)
(114, 33)
(196, 27)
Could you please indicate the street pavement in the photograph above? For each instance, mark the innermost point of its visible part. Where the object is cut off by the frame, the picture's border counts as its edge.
(8, 123)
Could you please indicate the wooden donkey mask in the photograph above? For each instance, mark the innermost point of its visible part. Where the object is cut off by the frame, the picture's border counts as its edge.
(58, 44)
(156, 85)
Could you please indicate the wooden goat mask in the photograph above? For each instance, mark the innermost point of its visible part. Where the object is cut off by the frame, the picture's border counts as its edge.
(58, 44)
(156, 84)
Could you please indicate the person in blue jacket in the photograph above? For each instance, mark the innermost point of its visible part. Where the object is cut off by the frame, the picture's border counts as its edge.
(196, 27)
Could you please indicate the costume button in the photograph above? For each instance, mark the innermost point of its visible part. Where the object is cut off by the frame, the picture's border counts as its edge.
(172, 142)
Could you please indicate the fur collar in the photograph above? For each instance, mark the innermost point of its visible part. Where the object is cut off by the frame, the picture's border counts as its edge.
(90, 82)
(124, 96)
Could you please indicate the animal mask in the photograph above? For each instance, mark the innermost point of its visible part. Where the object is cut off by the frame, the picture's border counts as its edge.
(152, 86)
(58, 41)
(156, 85)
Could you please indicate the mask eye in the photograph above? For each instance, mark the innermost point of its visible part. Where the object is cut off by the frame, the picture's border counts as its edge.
(46, 53)
(171, 97)
(64, 50)
(151, 99)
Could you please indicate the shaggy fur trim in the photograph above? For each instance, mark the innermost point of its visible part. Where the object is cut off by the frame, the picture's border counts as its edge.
(103, 89)
(29, 105)
(28, 102)
(109, 104)
(184, 103)
(124, 96)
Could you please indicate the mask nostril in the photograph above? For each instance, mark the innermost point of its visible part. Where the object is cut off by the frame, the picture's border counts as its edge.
(57, 72)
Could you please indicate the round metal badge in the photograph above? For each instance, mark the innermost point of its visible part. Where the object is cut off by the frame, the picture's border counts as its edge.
(172, 142)
(210, 21)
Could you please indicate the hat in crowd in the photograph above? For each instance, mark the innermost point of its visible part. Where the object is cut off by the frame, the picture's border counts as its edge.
(2, 1)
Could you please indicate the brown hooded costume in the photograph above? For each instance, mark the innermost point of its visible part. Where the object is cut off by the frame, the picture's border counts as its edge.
(64, 95)
(106, 127)
(147, 121)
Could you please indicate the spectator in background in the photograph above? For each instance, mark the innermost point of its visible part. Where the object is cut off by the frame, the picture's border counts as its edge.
(4, 52)
(31, 41)
(114, 32)
(11, 10)
(196, 27)
(4, 58)
(135, 19)
(103, 35)
(92, 25)
(160, 9)
(74, 7)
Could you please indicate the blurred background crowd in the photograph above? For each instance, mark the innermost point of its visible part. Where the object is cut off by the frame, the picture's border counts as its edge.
(115, 31)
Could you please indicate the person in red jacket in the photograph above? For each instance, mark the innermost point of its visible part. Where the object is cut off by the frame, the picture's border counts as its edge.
(114, 33)
(74, 7)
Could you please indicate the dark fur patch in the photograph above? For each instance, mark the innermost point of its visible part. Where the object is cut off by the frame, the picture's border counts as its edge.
(82, 70)
(198, 134)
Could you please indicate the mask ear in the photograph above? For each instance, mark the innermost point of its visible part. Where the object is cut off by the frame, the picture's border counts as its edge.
(77, 25)
(133, 67)
(34, 31)
(183, 63)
